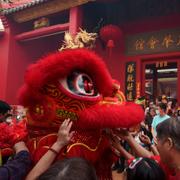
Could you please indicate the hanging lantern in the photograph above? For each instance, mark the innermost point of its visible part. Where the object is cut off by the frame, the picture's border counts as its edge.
(111, 35)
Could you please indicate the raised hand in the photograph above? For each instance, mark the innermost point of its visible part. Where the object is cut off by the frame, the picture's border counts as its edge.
(64, 134)
(123, 134)
(145, 139)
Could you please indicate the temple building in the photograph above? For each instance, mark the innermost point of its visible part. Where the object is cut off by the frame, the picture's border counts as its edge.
(139, 41)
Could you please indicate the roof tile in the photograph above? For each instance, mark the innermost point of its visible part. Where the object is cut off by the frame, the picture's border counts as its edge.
(9, 8)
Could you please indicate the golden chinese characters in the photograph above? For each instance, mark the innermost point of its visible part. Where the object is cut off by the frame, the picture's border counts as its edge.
(130, 81)
(152, 42)
(167, 41)
(139, 44)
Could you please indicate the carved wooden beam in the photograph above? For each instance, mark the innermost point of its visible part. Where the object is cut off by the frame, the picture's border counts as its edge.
(43, 32)
(45, 9)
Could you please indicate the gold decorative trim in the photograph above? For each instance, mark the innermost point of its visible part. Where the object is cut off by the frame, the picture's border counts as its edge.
(49, 135)
(35, 143)
(84, 145)
(46, 147)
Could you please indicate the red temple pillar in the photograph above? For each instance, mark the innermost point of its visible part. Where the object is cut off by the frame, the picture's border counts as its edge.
(4, 58)
(75, 19)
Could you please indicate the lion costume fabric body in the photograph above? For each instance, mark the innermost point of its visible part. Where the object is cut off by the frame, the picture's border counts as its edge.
(75, 84)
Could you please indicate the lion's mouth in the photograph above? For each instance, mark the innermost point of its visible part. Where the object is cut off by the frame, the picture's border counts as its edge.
(123, 115)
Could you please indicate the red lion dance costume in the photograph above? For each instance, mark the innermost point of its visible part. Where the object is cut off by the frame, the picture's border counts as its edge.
(75, 84)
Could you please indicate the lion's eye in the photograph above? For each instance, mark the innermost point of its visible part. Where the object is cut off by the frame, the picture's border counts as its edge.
(80, 84)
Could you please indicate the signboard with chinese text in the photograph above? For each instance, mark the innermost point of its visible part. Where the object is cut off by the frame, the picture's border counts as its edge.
(130, 82)
(153, 42)
(138, 90)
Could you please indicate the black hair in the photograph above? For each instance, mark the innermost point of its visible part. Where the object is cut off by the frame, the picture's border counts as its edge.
(159, 98)
(163, 106)
(170, 128)
(145, 169)
(70, 169)
(174, 102)
(4, 107)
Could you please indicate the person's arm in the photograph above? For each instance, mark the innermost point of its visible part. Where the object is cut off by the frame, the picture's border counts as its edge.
(20, 146)
(18, 167)
(64, 136)
(153, 126)
(116, 144)
(146, 140)
(154, 135)
(137, 148)
(154, 149)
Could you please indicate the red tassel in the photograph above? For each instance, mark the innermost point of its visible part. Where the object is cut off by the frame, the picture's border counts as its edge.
(110, 43)
(110, 46)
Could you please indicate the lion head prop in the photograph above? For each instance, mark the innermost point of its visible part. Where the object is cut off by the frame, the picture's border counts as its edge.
(76, 84)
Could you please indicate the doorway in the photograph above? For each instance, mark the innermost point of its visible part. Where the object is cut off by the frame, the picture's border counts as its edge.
(160, 77)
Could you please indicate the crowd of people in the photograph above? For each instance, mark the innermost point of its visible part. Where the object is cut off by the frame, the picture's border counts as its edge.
(149, 151)
(152, 145)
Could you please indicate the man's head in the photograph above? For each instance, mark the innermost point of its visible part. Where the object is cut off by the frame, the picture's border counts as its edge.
(151, 104)
(164, 99)
(152, 111)
(168, 139)
(4, 109)
(70, 169)
(144, 168)
(162, 109)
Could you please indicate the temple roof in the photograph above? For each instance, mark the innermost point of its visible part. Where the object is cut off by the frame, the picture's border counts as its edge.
(17, 5)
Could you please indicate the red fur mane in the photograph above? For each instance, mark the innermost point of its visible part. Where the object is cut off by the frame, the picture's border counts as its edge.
(60, 64)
